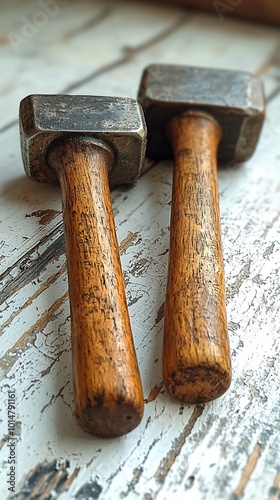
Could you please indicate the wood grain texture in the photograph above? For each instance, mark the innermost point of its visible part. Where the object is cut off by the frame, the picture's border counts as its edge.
(177, 451)
(196, 354)
(107, 386)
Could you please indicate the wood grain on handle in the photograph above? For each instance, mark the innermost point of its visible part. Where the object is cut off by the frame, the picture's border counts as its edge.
(196, 354)
(108, 390)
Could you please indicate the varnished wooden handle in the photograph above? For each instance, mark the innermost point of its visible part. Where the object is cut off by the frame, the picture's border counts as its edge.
(108, 391)
(196, 354)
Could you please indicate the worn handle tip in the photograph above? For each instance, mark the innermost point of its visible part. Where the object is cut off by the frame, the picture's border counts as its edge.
(197, 384)
(112, 420)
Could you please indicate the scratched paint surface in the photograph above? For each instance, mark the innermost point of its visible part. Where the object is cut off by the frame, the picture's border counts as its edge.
(227, 449)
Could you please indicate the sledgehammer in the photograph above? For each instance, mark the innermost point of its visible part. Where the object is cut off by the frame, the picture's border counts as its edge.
(81, 142)
(198, 115)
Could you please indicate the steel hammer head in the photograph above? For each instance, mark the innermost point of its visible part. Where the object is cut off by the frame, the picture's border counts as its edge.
(116, 121)
(234, 99)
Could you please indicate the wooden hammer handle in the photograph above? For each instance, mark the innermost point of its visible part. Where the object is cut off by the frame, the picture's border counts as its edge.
(108, 391)
(196, 355)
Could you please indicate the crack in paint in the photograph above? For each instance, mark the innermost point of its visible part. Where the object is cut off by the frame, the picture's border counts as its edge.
(242, 276)
(168, 461)
(29, 337)
(248, 471)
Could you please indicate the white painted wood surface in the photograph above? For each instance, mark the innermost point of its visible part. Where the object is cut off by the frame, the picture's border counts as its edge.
(227, 449)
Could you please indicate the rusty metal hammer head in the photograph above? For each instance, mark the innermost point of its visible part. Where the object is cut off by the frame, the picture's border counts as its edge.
(235, 99)
(116, 121)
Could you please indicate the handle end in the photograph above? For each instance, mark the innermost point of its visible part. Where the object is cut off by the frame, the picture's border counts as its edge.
(111, 420)
(197, 384)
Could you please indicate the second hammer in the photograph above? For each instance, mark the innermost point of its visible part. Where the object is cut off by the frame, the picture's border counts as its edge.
(82, 141)
(198, 115)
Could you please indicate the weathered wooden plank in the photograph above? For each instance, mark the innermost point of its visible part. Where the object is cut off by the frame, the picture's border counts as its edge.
(124, 80)
(71, 46)
(62, 38)
(226, 449)
(148, 345)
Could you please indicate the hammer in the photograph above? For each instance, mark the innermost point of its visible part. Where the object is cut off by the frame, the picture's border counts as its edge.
(201, 116)
(81, 141)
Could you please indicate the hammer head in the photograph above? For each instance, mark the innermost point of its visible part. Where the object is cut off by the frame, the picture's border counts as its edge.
(118, 122)
(234, 99)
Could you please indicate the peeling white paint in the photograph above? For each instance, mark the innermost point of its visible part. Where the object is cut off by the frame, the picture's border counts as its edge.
(34, 314)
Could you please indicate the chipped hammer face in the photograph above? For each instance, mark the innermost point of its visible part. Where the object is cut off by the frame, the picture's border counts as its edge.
(117, 122)
(234, 99)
